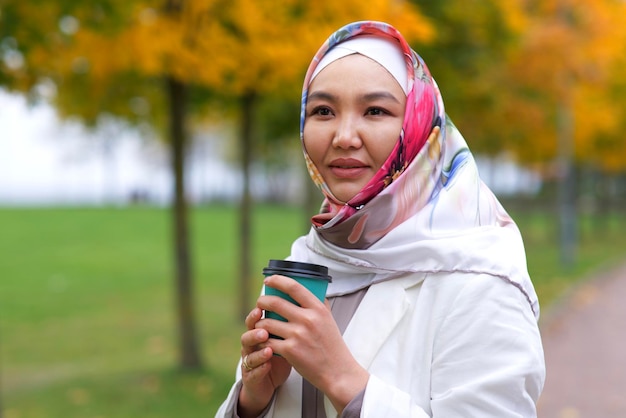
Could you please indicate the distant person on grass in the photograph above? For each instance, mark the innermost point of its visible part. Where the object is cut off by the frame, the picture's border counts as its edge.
(431, 312)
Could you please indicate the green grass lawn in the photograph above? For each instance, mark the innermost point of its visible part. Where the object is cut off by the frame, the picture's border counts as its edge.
(86, 303)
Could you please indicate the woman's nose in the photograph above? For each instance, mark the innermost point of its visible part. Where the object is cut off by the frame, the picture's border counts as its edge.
(347, 134)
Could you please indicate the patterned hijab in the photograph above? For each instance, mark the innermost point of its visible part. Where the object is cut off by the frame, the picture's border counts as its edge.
(359, 223)
(425, 211)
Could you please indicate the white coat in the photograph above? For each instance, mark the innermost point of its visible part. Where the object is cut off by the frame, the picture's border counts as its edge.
(437, 345)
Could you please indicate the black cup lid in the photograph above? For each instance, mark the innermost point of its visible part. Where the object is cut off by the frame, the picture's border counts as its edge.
(275, 266)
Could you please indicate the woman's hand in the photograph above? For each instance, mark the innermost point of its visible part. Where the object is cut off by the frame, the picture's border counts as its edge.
(311, 342)
(262, 372)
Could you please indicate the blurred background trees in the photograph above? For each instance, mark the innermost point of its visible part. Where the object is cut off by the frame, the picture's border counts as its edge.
(540, 82)
(164, 63)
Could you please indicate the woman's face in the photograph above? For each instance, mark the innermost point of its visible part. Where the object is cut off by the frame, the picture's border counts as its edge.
(354, 114)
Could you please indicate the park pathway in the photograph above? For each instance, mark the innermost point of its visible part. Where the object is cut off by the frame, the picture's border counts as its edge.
(584, 341)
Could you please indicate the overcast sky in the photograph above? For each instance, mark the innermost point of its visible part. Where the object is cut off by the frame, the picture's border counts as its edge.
(46, 161)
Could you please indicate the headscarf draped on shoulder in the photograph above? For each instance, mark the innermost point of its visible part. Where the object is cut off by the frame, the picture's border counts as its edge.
(425, 210)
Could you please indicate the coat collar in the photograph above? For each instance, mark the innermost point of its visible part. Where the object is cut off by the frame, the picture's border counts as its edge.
(378, 314)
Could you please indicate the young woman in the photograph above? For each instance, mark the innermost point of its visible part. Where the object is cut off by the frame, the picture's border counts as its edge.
(431, 312)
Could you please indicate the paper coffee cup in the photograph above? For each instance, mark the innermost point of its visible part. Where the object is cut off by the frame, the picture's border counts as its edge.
(312, 276)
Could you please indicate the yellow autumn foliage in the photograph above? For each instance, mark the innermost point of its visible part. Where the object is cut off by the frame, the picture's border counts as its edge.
(232, 46)
(569, 57)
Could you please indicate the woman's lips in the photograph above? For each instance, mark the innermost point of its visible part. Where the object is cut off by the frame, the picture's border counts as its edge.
(347, 168)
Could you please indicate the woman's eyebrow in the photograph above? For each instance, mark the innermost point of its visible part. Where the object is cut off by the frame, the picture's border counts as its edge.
(321, 95)
(377, 95)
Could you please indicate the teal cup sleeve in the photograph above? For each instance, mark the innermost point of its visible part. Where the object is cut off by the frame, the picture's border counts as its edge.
(312, 276)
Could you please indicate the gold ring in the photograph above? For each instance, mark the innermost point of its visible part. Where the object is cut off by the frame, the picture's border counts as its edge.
(244, 361)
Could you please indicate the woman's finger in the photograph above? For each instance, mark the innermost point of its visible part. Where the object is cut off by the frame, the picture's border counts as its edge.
(276, 305)
(295, 290)
(274, 328)
(256, 359)
(252, 318)
(251, 339)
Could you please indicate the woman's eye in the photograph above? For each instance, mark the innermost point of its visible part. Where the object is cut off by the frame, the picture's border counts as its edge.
(321, 111)
(375, 111)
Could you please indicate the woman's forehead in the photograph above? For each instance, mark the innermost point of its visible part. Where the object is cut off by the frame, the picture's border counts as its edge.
(356, 73)
(384, 51)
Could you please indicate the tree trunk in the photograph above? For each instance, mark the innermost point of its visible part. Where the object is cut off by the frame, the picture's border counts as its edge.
(567, 184)
(567, 187)
(248, 102)
(189, 354)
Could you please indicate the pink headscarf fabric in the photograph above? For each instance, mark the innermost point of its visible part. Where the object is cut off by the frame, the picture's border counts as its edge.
(425, 211)
(424, 111)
